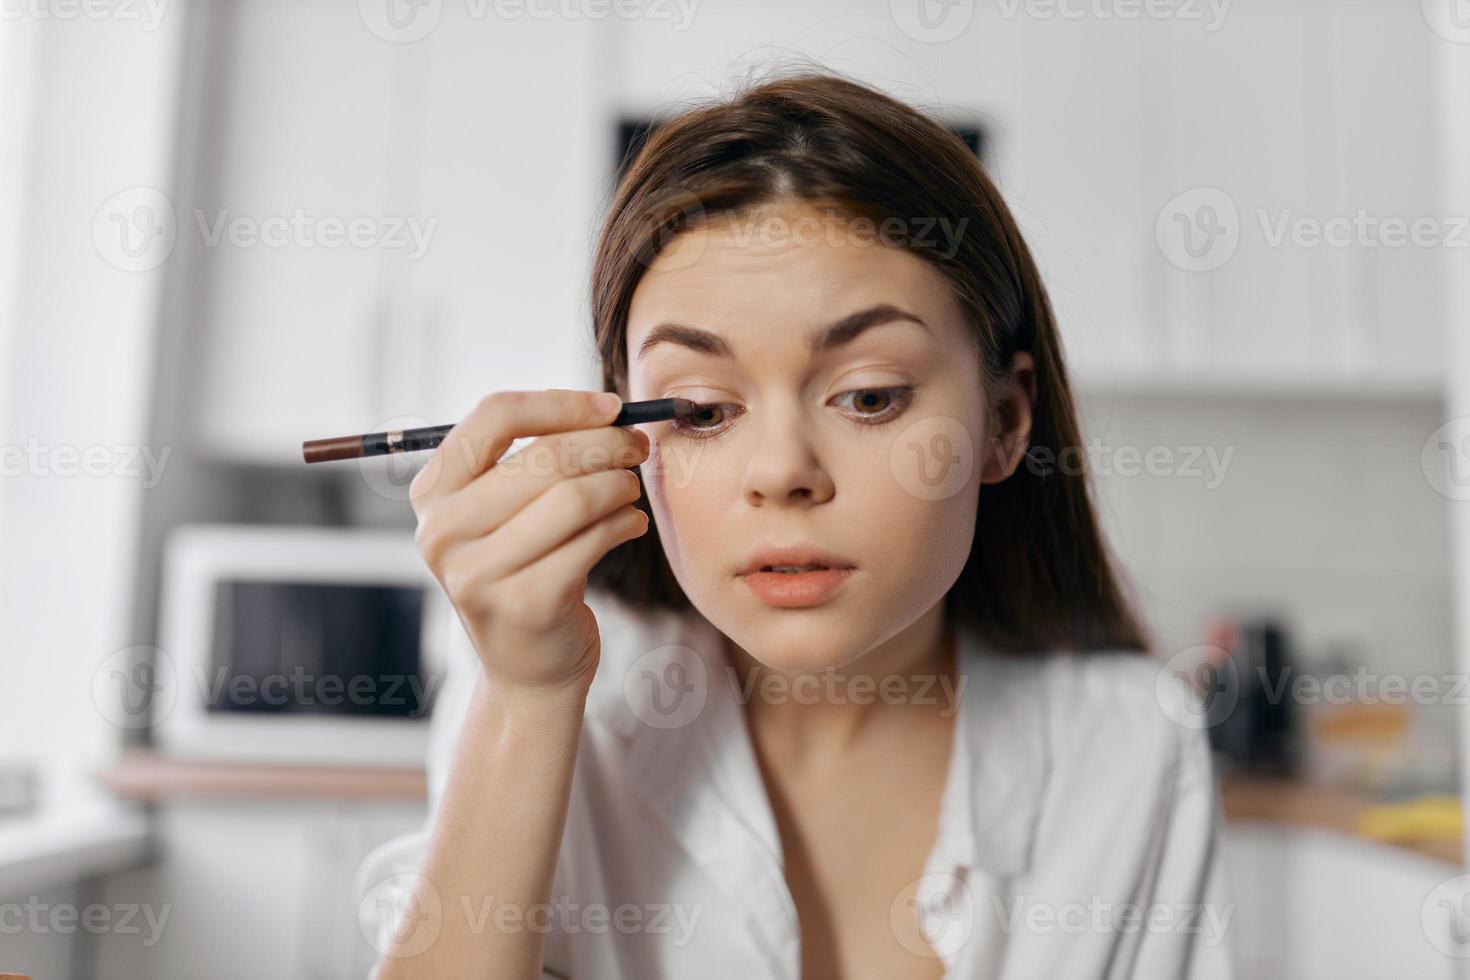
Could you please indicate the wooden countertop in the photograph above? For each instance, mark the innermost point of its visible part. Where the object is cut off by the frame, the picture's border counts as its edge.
(1299, 804)
(148, 776)
(142, 775)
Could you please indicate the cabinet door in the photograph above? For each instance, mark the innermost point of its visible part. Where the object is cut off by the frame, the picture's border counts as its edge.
(516, 132)
(1305, 115)
(292, 222)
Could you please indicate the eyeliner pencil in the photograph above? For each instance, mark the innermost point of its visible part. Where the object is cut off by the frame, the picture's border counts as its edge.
(428, 437)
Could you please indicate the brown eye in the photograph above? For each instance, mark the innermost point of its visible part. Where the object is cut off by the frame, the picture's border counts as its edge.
(874, 406)
(871, 402)
(704, 423)
(708, 416)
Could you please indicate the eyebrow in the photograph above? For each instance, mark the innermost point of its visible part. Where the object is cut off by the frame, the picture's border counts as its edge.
(835, 334)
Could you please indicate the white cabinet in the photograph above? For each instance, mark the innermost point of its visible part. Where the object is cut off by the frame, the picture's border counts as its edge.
(296, 139)
(252, 888)
(1314, 905)
(1098, 118)
(493, 135)
(1305, 114)
(516, 148)
(387, 229)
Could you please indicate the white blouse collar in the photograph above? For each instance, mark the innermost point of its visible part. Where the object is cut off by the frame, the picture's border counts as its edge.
(996, 774)
(692, 759)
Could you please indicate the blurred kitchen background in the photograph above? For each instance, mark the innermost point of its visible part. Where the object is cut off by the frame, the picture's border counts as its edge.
(231, 225)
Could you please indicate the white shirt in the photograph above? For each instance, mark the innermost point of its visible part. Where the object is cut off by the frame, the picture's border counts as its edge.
(1077, 838)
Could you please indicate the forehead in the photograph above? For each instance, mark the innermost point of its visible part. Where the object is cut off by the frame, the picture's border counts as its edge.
(764, 281)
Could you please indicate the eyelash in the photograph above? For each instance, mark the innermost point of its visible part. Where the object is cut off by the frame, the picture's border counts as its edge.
(901, 395)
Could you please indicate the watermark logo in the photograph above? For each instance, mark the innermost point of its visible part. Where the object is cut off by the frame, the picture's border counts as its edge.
(1362, 229)
(299, 229)
(1205, 463)
(933, 459)
(135, 230)
(147, 13)
(1099, 917)
(1210, 13)
(675, 231)
(400, 21)
(37, 459)
(932, 21)
(407, 21)
(391, 475)
(1445, 458)
(1198, 687)
(1445, 917)
(1199, 229)
(401, 916)
(1450, 19)
(832, 686)
(667, 687)
(933, 915)
(140, 686)
(37, 918)
(135, 687)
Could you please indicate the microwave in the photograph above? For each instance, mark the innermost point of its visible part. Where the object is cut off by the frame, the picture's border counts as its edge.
(297, 644)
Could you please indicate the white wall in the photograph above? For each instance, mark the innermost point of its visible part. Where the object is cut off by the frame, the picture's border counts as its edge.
(78, 378)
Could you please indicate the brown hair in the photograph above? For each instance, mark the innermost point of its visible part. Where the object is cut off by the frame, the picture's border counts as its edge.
(1039, 575)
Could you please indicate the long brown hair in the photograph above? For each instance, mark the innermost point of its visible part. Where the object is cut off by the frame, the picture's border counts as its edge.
(1039, 575)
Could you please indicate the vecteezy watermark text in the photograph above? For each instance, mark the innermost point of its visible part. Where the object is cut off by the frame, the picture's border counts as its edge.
(35, 917)
(40, 460)
(1100, 917)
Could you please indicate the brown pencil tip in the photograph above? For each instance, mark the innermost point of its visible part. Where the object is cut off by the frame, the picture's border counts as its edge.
(325, 450)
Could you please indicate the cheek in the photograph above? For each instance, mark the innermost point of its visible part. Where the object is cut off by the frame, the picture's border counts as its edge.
(687, 491)
(917, 537)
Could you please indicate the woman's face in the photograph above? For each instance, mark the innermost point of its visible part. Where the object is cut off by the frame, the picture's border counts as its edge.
(866, 444)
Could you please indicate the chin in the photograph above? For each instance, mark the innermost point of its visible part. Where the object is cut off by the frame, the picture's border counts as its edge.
(801, 643)
(782, 655)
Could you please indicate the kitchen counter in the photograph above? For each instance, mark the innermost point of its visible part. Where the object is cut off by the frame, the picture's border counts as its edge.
(148, 776)
(1300, 804)
(46, 850)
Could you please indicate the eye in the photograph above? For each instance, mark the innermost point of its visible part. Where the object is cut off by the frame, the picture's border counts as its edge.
(874, 406)
(704, 423)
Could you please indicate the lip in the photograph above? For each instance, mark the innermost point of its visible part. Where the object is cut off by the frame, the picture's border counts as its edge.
(794, 590)
(796, 554)
(789, 590)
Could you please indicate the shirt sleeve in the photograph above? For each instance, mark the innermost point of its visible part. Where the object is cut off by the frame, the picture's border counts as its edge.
(1194, 942)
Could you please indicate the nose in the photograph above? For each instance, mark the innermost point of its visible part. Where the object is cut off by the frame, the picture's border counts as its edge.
(784, 467)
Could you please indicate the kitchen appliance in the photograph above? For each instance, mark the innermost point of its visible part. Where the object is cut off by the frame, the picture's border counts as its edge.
(288, 644)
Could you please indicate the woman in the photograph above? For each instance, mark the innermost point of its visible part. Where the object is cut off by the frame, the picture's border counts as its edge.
(862, 697)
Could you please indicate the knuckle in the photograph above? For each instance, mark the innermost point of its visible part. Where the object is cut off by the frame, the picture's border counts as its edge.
(577, 496)
(429, 538)
(468, 590)
(635, 485)
(421, 487)
(493, 407)
(526, 596)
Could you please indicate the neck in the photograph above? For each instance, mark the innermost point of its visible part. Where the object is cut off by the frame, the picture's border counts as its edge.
(909, 676)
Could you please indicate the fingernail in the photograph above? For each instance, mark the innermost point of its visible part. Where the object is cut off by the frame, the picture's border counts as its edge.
(607, 401)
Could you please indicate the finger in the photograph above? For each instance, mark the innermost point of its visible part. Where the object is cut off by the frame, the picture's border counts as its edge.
(481, 438)
(546, 523)
(497, 495)
(572, 562)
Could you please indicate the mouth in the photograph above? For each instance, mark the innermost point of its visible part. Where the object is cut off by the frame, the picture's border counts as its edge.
(792, 569)
(795, 576)
(795, 559)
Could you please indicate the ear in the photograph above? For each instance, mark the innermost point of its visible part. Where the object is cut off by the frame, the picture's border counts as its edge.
(1006, 447)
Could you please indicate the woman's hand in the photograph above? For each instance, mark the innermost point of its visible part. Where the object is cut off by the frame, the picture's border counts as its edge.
(513, 540)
